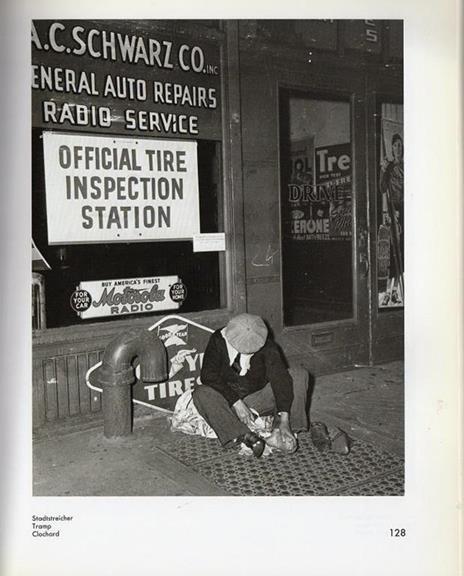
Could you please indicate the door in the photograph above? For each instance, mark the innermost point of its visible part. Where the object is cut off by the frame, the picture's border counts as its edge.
(324, 237)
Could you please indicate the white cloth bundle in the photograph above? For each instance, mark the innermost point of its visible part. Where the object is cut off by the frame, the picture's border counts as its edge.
(187, 419)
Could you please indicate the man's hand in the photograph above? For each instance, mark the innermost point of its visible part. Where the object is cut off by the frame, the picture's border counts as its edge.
(244, 414)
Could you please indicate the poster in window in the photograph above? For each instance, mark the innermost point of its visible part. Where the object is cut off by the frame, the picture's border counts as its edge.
(333, 188)
(390, 238)
(319, 192)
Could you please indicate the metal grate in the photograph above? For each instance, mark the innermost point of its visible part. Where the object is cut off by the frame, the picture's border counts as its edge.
(365, 471)
(387, 485)
(192, 450)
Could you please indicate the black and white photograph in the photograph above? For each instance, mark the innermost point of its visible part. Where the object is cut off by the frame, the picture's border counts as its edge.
(218, 286)
(240, 287)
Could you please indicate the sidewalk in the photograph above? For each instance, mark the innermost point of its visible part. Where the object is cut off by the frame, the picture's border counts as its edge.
(368, 403)
(72, 457)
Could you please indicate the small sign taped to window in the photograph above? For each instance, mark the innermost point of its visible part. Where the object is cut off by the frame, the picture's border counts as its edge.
(213, 242)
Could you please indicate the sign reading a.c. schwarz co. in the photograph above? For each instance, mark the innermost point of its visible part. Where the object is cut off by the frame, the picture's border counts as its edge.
(124, 77)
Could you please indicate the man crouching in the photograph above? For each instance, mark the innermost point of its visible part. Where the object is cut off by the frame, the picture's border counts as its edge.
(243, 370)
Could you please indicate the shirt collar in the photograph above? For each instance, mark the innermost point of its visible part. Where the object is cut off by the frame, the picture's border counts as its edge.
(232, 352)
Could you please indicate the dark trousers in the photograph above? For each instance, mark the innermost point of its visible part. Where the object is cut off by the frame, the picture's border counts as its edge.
(214, 408)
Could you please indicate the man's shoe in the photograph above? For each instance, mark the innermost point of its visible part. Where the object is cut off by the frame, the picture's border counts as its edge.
(254, 442)
(341, 443)
(320, 436)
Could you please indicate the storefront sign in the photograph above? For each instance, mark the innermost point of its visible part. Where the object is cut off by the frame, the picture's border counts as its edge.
(122, 77)
(185, 343)
(104, 189)
(125, 296)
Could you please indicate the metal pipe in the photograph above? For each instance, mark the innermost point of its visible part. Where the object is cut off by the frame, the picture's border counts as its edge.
(117, 373)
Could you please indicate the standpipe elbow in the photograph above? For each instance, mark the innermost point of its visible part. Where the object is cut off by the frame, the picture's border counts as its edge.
(117, 367)
(117, 373)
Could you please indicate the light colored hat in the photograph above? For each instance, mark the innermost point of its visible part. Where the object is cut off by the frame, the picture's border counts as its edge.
(247, 333)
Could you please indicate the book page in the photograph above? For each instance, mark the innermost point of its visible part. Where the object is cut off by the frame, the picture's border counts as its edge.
(418, 534)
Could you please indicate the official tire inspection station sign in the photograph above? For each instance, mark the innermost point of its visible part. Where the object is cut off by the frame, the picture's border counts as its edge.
(127, 296)
(108, 189)
(185, 342)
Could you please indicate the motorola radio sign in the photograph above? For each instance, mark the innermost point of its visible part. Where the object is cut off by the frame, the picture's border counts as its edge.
(103, 189)
(126, 296)
(185, 342)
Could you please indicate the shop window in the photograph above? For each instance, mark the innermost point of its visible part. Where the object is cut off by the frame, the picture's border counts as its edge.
(390, 214)
(316, 208)
(71, 264)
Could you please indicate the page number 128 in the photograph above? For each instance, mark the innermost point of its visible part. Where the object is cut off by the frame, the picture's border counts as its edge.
(397, 532)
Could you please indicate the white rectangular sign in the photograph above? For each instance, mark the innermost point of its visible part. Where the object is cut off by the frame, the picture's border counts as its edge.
(212, 242)
(99, 298)
(108, 189)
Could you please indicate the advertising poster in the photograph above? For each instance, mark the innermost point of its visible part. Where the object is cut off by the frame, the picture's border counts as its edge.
(300, 186)
(319, 194)
(390, 238)
(185, 342)
(108, 189)
(333, 189)
(125, 296)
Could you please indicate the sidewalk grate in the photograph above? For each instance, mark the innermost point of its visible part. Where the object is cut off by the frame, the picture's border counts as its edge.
(391, 484)
(366, 471)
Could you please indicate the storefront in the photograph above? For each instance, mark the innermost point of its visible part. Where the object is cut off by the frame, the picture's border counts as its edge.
(205, 168)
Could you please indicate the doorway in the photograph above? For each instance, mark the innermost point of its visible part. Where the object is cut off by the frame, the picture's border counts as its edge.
(316, 208)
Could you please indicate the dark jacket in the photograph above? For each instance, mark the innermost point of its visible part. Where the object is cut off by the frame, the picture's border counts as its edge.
(266, 365)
